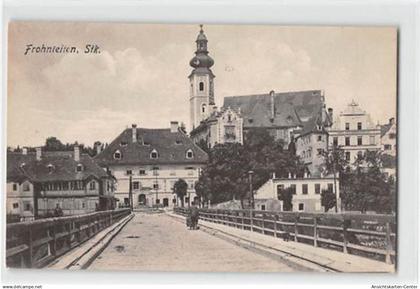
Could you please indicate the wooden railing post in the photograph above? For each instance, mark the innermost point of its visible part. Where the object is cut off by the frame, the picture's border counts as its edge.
(262, 223)
(275, 225)
(315, 231)
(345, 237)
(296, 227)
(388, 243)
(251, 216)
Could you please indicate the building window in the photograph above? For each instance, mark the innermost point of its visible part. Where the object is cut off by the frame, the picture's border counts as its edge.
(320, 151)
(92, 185)
(126, 201)
(50, 168)
(304, 189)
(392, 136)
(155, 186)
(136, 185)
(201, 86)
(320, 138)
(123, 143)
(335, 141)
(280, 190)
(348, 156)
(203, 108)
(347, 126)
(359, 154)
(26, 187)
(154, 154)
(83, 205)
(128, 172)
(359, 126)
(155, 171)
(14, 187)
(372, 139)
(189, 154)
(301, 206)
(27, 206)
(347, 141)
(317, 189)
(79, 168)
(330, 188)
(15, 205)
(387, 147)
(293, 188)
(117, 155)
(142, 172)
(262, 207)
(359, 140)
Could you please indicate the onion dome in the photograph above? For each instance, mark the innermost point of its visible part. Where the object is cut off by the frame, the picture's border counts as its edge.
(201, 58)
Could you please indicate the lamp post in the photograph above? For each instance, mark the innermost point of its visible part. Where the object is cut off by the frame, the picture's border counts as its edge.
(251, 193)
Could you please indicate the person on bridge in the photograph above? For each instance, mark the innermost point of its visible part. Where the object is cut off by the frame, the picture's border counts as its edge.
(195, 215)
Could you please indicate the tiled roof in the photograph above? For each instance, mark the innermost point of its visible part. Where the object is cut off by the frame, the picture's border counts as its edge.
(63, 163)
(291, 108)
(385, 128)
(171, 147)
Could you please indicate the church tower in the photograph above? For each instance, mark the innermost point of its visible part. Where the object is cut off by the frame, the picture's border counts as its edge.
(201, 82)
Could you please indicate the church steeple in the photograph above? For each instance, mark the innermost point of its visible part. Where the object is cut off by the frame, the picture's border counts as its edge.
(201, 82)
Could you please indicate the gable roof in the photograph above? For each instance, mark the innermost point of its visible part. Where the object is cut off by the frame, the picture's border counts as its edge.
(385, 128)
(64, 167)
(291, 108)
(171, 148)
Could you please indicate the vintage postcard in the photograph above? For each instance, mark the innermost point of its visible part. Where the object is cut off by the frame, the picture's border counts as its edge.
(201, 148)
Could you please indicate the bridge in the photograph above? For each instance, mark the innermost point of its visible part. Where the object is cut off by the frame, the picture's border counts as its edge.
(227, 241)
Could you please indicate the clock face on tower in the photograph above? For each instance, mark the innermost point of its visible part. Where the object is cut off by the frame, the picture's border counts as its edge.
(196, 62)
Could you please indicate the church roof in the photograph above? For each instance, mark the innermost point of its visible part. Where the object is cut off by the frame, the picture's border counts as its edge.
(21, 167)
(170, 146)
(291, 108)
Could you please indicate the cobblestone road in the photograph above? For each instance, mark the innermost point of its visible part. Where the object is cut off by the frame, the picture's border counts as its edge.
(157, 242)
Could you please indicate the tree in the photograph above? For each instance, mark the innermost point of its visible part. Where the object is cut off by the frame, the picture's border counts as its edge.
(335, 163)
(54, 144)
(328, 200)
(226, 175)
(286, 196)
(180, 190)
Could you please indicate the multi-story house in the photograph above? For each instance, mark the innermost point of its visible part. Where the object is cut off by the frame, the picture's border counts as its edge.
(306, 192)
(354, 132)
(38, 183)
(152, 160)
(389, 138)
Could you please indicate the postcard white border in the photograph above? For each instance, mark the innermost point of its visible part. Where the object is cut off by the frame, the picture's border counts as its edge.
(403, 14)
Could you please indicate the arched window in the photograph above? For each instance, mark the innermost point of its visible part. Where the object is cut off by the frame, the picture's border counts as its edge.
(117, 155)
(154, 154)
(203, 108)
(189, 154)
(50, 168)
(201, 86)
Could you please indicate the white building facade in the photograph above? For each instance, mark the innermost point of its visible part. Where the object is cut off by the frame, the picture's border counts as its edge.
(354, 132)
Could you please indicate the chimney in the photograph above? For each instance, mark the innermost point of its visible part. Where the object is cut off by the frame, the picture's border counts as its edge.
(330, 113)
(392, 121)
(76, 153)
(174, 126)
(272, 104)
(274, 175)
(290, 175)
(24, 151)
(38, 153)
(98, 146)
(305, 175)
(134, 132)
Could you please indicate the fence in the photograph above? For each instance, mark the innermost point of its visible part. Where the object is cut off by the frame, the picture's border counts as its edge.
(36, 243)
(368, 235)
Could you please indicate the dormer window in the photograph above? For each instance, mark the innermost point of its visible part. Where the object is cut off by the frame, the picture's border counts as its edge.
(117, 155)
(79, 168)
(154, 154)
(123, 143)
(22, 165)
(178, 142)
(189, 154)
(50, 168)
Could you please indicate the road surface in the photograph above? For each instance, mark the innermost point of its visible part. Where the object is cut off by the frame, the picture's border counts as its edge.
(158, 242)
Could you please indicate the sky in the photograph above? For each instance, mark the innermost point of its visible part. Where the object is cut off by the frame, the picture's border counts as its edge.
(140, 76)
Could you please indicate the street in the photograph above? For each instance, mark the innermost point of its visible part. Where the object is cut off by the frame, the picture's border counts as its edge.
(157, 242)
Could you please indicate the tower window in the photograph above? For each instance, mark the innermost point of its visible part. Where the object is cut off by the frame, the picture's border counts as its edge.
(201, 86)
(203, 108)
(189, 154)
(79, 168)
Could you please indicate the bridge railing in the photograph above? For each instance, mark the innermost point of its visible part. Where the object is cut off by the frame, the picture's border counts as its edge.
(34, 244)
(368, 235)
